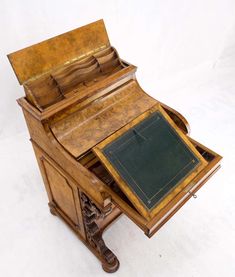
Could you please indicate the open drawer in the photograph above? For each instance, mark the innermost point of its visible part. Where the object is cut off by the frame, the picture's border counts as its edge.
(151, 168)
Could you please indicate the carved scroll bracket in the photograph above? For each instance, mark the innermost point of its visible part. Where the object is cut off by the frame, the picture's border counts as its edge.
(91, 213)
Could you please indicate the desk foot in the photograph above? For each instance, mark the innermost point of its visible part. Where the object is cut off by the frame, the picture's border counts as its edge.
(91, 213)
(52, 208)
(111, 268)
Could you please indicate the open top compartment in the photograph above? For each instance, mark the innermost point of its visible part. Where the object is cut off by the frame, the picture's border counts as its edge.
(73, 78)
(67, 65)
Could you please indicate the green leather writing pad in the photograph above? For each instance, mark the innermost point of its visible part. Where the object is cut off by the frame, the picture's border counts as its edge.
(151, 158)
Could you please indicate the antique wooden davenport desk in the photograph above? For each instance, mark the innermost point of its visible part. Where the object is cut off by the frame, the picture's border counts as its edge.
(104, 146)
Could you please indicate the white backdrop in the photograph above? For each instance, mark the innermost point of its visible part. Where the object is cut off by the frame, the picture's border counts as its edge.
(185, 52)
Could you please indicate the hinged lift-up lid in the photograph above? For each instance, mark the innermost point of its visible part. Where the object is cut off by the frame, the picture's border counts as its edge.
(40, 58)
(151, 160)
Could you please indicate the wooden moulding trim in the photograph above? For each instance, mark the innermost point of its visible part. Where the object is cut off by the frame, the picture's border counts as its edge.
(172, 211)
(138, 219)
(178, 115)
(103, 84)
(197, 182)
(79, 105)
(29, 108)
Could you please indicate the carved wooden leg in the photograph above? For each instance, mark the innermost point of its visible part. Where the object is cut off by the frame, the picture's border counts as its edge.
(52, 208)
(91, 213)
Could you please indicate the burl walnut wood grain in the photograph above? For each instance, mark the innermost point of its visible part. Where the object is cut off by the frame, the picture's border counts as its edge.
(57, 51)
(79, 93)
(73, 78)
(85, 128)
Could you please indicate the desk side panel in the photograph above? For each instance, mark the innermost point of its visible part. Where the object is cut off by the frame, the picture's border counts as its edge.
(63, 193)
(41, 136)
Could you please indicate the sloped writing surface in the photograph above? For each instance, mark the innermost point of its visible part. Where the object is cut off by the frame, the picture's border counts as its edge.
(151, 158)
